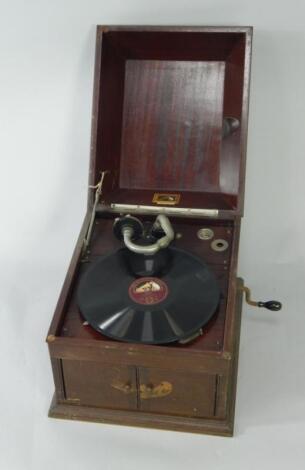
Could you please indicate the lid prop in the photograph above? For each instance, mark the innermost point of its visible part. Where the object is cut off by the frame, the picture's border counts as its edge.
(98, 193)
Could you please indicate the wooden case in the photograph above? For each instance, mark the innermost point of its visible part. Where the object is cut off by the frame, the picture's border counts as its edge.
(162, 97)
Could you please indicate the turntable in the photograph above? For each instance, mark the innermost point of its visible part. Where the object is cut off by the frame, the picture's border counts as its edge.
(148, 292)
(146, 329)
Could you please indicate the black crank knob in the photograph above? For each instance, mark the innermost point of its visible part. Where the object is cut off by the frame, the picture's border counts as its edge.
(274, 305)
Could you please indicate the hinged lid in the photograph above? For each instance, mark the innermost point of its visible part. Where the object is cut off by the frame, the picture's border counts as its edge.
(170, 118)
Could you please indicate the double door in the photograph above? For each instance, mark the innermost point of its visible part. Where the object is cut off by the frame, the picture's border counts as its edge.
(152, 390)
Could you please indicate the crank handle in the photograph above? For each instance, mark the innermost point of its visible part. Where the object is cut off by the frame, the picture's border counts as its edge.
(274, 305)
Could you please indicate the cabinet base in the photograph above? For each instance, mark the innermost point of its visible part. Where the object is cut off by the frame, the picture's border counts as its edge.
(221, 427)
(130, 418)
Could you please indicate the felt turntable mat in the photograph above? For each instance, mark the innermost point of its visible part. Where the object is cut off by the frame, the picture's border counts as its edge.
(159, 309)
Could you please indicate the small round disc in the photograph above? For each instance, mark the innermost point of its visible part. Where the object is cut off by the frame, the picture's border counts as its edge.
(151, 309)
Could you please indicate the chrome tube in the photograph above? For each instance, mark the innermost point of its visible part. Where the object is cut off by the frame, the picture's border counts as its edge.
(161, 221)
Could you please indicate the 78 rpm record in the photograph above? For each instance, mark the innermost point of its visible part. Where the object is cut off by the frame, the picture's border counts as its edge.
(157, 309)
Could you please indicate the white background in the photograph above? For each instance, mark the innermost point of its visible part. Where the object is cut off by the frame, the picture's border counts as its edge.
(46, 78)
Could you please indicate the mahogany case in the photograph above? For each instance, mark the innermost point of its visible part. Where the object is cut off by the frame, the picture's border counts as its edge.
(163, 100)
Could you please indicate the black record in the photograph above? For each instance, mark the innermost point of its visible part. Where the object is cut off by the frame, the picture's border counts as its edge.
(166, 307)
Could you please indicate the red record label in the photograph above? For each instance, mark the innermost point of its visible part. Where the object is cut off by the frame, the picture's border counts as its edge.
(148, 290)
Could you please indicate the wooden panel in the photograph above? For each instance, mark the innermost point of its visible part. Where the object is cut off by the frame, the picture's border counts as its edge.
(172, 125)
(95, 384)
(219, 427)
(127, 354)
(160, 97)
(68, 285)
(177, 393)
(58, 379)
(174, 43)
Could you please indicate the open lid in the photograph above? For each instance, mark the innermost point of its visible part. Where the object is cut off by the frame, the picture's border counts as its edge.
(170, 118)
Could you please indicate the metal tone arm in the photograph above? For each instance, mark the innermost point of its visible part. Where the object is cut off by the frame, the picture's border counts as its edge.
(161, 221)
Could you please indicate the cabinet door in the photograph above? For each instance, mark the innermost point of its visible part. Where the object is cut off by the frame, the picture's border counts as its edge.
(177, 393)
(96, 384)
